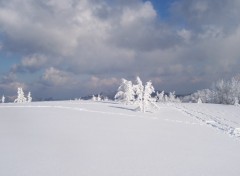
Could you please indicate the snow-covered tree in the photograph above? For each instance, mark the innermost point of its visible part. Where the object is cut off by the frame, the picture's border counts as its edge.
(105, 98)
(21, 98)
(138, 89)
(206, 95)
(29, 98)
(199, 100)
(147, 102)
(125, 92)
(98, 98)
(166, 98)
(3, 99)
(94, 98)
(225, 92)
(147, 98)
(174, 98)
(236, 103)
(160, 97)
(222, 92)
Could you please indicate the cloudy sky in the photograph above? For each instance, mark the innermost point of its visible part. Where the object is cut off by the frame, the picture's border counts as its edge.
(71, 48)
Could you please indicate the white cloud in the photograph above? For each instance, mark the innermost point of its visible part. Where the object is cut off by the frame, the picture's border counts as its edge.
(94, 43)
(34, 61)
(9, 84)
(200, 6)
(144, 12)
(96, 82)
(31, 63)
(185, 34)
(55, 77)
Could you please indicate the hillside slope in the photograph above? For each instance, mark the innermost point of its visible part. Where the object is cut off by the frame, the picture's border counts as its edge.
(83, 138)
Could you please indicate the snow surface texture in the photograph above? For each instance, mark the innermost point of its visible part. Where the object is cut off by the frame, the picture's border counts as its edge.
(81, 138)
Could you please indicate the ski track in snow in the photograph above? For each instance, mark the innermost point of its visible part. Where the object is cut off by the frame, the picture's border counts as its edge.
(124, 115)
(202, 114)
(212, 119)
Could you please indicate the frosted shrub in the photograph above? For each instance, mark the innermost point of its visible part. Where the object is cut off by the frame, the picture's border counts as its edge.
(147, 102)
(199, 101)
(236, 103)
(143, 98)
(94, 98)
(138, 89)
(3, 99)
(98, 98)
(226, 92)
(222, 92)
(20, 98)
(160, 97)
(125, 92)
(172, 98)
(29, 98)
(136, 94)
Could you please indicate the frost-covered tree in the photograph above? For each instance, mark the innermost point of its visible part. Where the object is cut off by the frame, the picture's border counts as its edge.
(3, 99)
(222, 92)
(206, 95)
(20, 98)
(94, 98)
(147, 98)
(160, 97)
(147, 102)
(166, 98)
(226, 92)
(236, 103)
(138, 89)
(29, 97)
(98, 98)
(125, 92)
(173, 98)
(199, 100)
(105, 98)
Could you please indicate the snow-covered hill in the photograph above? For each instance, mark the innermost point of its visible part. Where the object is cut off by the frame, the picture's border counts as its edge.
(83, 138)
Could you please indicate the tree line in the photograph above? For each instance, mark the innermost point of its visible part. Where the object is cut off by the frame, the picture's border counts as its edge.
(222, 92)
(141, 95)
(20, 97)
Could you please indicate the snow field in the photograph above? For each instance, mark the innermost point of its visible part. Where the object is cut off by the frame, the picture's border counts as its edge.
(95, 138)
(222, 117)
